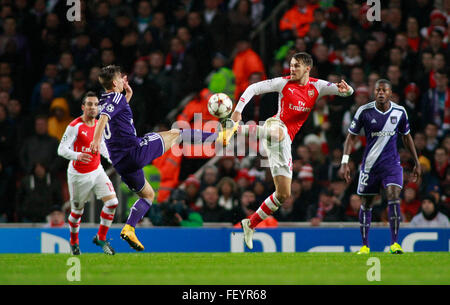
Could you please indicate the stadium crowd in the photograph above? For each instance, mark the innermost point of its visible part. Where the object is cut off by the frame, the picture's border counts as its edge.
(170, 49)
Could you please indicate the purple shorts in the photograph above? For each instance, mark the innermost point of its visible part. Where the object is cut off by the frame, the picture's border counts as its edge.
(151, 146)
(370, 183)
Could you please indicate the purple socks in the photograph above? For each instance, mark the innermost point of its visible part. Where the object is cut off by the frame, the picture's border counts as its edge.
(394, 218)
(195, 135)
(365, 217)
(138, 211)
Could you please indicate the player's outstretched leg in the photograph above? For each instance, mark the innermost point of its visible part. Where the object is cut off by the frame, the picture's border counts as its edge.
(74, 224)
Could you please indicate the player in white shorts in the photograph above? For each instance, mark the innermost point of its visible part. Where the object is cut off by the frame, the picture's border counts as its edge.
(297, 95)
(85, 174)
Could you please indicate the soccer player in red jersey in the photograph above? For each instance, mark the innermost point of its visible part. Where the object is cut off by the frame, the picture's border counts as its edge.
(298, 93)
(85, 174)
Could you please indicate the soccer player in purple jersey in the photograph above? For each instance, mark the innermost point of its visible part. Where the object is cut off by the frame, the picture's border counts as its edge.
(381, 120)
(130, 153)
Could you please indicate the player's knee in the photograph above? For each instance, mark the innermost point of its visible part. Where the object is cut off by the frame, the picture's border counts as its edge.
(148, 194)
(282, 196)
(276, 134)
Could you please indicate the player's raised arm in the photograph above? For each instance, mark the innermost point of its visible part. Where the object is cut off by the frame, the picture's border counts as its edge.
(265, 86)
(95, 144)
(128, 90)
(327, 88)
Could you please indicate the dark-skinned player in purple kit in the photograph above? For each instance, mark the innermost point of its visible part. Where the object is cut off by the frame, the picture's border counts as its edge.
(130, 153)
(382, 120)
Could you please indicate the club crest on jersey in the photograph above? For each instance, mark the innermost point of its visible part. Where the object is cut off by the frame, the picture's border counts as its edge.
(310, 93)
(393, 120)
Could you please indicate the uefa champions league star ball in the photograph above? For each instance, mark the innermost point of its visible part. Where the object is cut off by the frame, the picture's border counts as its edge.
(220, 105)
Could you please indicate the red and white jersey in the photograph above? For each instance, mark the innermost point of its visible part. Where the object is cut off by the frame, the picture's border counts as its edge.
(76, 140)
(295, 101)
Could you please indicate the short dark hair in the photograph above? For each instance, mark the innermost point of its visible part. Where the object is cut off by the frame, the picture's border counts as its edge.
(383, 81)
(107, 75)
(88, 94)
(304, 58)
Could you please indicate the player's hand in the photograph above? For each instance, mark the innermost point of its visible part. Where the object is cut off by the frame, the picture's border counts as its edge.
(95, 147)
(417, 173)
(344, 172)
(236, 116)
(343, 87)
(84, 157)
(126, 86)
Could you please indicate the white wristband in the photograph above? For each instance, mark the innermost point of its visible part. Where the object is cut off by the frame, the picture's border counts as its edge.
(345, 159)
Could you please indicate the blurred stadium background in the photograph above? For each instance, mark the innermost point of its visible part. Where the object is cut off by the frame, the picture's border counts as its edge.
(176, 54)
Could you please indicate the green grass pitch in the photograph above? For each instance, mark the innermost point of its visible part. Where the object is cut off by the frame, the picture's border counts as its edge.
(226, 268)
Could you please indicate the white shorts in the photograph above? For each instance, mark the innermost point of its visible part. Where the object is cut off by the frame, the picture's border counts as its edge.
(81, 186)
(279, 153)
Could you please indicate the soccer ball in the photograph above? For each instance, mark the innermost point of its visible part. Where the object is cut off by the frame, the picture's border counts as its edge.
(220, 105)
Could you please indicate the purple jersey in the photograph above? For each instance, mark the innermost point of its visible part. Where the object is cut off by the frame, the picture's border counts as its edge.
(120, 134)
(381, 129)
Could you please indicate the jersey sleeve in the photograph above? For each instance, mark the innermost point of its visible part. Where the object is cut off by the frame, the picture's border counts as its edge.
(113, 105)
(356, 124)
(403, 125)
(104, 150)
(65, 148)
(265, 86)
(329, 88)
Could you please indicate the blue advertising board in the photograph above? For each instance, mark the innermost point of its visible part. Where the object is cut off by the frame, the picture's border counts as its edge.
(53, 240)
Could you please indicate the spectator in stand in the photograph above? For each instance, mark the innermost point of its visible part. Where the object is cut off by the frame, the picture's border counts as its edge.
(209, 177)
(288, 211)
(327, 209)
(429, 215)
(29, 155)
(159, 75)
(246, 207)
(7, 138)
(296, 21)
(76, 93)
(436, 103)
(411, 102)
(352, 211)
(227, 191)
(192, 187)
(431, 133)
(221, 78)
(55, 218)
(240, 20)
(440, 164)
(410, 205)
(211, 211)
(37, 193)
(246, 62)
(310, 189)
(227, 167)
(59, 118)
(217, 26)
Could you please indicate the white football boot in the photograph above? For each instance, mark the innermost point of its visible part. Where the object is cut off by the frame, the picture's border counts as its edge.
(248, 232)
